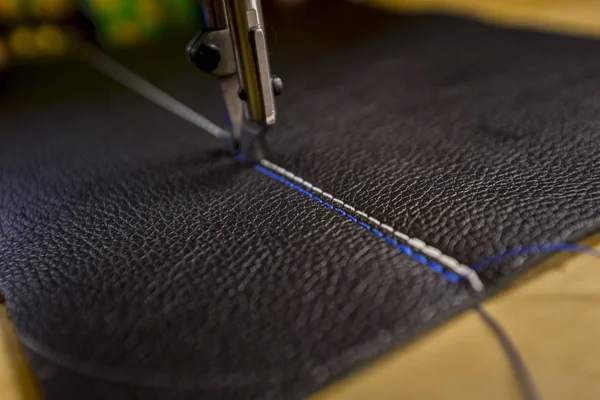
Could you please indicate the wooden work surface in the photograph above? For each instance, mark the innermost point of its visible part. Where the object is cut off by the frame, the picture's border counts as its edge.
(552, 315)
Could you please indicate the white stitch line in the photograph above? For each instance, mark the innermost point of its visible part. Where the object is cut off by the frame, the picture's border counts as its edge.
(402, 236)
(387, 228)
(362, 214)
(374, 221)
(449, 262)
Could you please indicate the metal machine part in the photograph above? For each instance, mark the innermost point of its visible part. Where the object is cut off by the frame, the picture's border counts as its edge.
(233, 47)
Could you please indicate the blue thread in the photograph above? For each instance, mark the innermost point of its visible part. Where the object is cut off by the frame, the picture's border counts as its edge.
(392, 241)
(539, 248)
(451, 276)
(420, 258)
(435, 266)
(341, 211)
(407, 250)
(205, 22)
(367, 227)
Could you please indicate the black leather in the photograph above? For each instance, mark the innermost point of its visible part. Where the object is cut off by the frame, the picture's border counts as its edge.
(137, 262)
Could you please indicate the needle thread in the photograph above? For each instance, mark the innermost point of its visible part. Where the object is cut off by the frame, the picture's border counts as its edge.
(131, 80)
(525, 381)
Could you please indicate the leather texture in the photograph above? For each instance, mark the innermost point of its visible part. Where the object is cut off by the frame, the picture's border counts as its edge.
(137, 262)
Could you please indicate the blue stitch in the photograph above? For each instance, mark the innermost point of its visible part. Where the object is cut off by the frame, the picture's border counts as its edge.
(390, 240)
(420, 258)
(264, 170)
(406, 250)
(452, 277)
(278, 178)
(367, 227)
(403, 250)
(435, 266)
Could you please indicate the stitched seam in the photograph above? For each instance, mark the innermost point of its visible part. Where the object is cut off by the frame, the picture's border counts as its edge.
(451, 276)
(121, 74)
(457, 270)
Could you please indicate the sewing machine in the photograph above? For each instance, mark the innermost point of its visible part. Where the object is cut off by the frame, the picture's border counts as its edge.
(233, 47)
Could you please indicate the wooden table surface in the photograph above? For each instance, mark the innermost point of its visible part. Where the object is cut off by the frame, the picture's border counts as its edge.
(552, 316)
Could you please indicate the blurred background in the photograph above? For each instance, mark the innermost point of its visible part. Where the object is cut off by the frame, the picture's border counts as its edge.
(39, 30)
(150, 36)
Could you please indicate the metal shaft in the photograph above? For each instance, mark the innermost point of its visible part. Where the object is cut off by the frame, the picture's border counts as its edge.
(241, 34)
(215, 14)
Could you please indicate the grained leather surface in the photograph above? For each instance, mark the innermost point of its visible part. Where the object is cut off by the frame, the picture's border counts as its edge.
(138, 263)
(473, 145)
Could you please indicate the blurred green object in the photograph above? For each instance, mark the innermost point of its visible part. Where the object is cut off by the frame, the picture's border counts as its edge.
(116, 22)
(36, 30)
(131, 22)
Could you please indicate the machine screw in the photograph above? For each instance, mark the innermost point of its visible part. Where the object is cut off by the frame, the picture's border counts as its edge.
(277, 85)
(205, 56)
